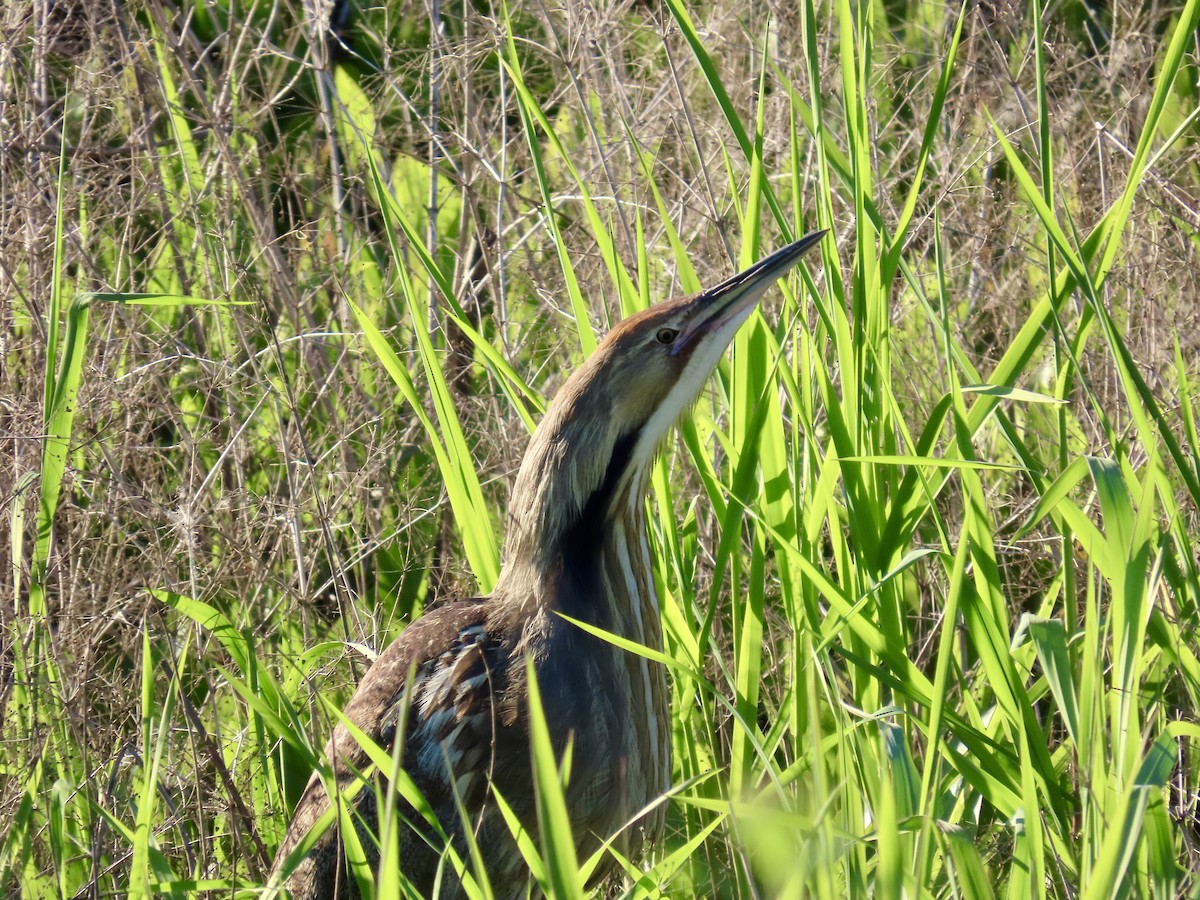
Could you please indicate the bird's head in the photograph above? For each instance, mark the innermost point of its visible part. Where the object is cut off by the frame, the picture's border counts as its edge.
(599, 436)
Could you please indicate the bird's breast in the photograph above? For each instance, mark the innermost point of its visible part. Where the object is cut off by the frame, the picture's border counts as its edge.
(619, 722)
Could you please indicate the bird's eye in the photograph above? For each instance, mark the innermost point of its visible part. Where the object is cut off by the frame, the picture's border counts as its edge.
(666, 335)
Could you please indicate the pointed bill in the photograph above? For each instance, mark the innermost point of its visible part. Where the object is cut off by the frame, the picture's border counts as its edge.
(732, 299)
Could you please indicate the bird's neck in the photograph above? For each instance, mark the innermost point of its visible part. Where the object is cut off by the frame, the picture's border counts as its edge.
(606, 575)
(577, 541)
(577, 546)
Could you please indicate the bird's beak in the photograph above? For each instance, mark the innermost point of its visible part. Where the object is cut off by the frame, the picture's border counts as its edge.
(733, 298)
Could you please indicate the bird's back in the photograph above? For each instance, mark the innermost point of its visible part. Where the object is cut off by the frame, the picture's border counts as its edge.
(466, 731)
(455, 702)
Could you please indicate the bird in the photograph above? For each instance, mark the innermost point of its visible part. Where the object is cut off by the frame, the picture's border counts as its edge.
(453, 687)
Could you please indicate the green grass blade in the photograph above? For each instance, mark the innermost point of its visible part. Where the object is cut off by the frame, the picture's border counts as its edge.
(561, 866)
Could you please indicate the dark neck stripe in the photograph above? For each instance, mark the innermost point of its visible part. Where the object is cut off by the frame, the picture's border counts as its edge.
(580, 548)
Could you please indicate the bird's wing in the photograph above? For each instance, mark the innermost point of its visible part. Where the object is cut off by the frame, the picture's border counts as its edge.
(453, 662)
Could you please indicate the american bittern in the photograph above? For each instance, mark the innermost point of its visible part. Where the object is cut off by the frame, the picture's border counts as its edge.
(576, 545)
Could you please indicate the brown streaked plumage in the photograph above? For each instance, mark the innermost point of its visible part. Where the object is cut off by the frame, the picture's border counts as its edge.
(576, 545)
